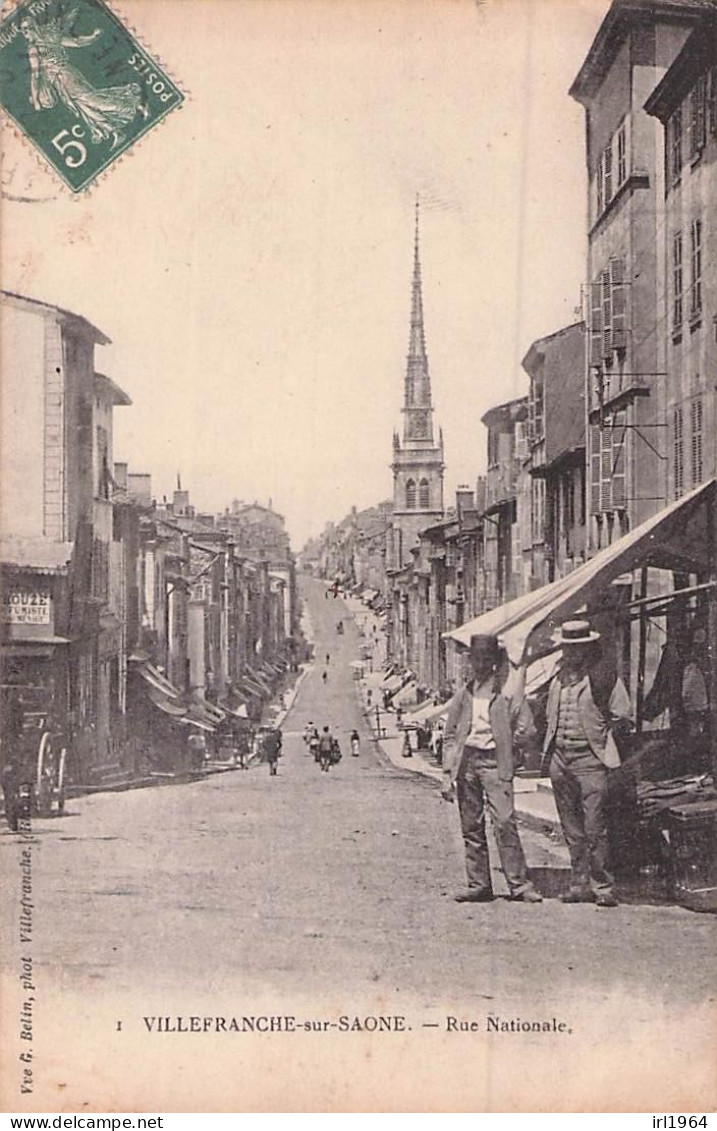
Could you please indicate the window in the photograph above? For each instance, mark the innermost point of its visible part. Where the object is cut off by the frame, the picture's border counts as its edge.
(712, 101)
(607, 174)
(424, 495)
(678, 453)
(538, 509)
(411, 495)
(595, 447)
(622, 154)
(607, 464)
(675, 135)
(698, 101)
(600, 188)
(617, 445)
(536, 406)
(608, 313)
(696, 264)
(696, 414)
(677, 281)
(493, 441)
(103, 469)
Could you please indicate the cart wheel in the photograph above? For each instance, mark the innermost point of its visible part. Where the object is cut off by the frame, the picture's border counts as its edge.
(60, 788)
(43, 788)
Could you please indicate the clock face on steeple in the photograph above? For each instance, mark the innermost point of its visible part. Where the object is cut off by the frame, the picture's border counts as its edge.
(420, 425)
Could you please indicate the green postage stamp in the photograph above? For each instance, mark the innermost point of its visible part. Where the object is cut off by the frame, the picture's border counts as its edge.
(78, 85)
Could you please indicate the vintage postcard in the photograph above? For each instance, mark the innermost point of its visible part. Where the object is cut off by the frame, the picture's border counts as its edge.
(358, 515)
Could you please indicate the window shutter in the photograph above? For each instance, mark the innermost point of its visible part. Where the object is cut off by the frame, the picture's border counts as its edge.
(607, 164)
(606, 295)
(696, 441)
(606, 467)
(596, 322)
(595, 469)
(712, 102)
(618, 432)
(618, 304)
(678, 454)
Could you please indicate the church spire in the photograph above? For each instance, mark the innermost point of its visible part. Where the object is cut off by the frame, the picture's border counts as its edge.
(418, 422)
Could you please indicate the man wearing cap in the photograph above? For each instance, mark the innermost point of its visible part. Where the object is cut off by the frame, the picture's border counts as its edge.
(582, 713)
(484, 720)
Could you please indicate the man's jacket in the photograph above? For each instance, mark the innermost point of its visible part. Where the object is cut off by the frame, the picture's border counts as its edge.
(597, 718)
(511, 722)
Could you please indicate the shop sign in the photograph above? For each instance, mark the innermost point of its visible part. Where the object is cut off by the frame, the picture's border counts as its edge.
(26, 606)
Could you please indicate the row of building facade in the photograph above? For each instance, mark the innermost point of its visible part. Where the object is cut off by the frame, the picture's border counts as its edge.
(619, 416)
(129, 623)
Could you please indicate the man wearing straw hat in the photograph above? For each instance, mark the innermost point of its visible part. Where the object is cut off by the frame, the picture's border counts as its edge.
(478, 767)
(582, 714)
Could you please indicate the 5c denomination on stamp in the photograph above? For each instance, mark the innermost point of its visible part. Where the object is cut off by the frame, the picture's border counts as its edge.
(78, 85)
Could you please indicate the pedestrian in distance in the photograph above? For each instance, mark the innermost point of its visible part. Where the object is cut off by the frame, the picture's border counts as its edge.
(586, 708)
(328, 659)
(271, 749)
(325, 677)
(355, 743)
(486, 722)
(326, 749)
(406, 752)
(314, 741)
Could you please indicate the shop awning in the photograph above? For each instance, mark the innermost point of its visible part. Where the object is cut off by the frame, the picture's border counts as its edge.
(248, 686)
(239, 712)
(392, 682)
(426, 712)
(676, 538)
(196, 714)
(192, 720)
(169, 706)
(156, 680)
(214, 713)
(405, 694)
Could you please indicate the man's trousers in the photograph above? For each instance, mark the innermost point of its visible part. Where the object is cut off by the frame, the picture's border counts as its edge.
(478, 788)
(580, 791)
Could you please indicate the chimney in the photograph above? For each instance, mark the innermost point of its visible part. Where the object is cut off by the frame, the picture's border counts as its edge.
(481, 500)
(465, 499)
(139, 485)
(180, 504)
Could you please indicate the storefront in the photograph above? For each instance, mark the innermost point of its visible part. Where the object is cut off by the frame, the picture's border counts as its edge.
(653, 591)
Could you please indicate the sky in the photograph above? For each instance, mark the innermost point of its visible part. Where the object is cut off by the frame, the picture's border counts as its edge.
(251, 257)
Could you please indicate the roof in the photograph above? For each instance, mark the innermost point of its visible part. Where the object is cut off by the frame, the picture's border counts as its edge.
(65, 315)
(509, 411)
(699, 51)
(674, 538)
(622, 16)
(108, 388)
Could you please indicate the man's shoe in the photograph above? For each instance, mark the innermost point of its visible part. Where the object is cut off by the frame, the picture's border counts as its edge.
(474, 895)
(577, 897)
(607, 900)
(530, 895)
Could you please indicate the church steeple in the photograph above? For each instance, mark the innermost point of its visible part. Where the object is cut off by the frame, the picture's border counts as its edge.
(417, 463)
(418, 413)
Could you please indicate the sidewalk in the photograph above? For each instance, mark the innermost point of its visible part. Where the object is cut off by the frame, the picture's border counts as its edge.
(534, 801)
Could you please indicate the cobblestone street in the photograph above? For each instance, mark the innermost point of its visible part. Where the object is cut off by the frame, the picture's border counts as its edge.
(317, 896)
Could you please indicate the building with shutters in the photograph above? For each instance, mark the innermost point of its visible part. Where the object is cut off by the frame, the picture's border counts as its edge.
(554, 539)
(625, 287)
(685, 102)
